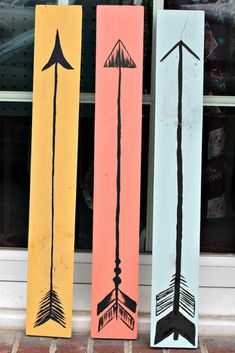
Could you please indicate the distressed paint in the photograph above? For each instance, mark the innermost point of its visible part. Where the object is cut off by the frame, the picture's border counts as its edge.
(118, 115)
(53, 170)
(177, 179)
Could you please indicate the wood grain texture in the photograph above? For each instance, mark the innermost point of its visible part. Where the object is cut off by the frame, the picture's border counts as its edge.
(53, 170)
(177, 179)
(118, 112)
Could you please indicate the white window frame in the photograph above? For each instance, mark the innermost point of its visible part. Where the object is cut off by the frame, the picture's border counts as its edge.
(217, 280)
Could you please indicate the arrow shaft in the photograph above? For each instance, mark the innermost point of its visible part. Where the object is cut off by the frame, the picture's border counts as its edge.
(117, 270)
(179, 187)
(118, 180)
(53, 174)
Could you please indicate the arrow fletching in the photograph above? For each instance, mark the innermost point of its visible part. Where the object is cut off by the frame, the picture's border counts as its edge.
(106, 302)
(110, 298)
(117, 309)
(165, 299)
(107, 317)
(50, 309)
(114, 311)
(127, 301)
(126, 317)
(177, 324)
(187, 302)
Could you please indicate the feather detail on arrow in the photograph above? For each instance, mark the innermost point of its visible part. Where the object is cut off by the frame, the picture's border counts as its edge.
(50, 309)
(175, 322)
(126, 317)
(116, 310)
(109, 299)
(127, 301)
(108, 316)
(165, 299)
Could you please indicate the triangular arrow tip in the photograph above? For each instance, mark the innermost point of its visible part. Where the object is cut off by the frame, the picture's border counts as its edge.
(119, 57)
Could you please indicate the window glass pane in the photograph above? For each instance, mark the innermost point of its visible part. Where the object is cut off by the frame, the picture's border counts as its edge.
(16, 44)
(15, 142)
(84, 207)
(218, 180)
(89, 35)
(219, 42)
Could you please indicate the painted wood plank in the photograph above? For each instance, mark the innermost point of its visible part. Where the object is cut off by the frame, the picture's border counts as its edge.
(53, 170)
(177, 179)
(118, 116)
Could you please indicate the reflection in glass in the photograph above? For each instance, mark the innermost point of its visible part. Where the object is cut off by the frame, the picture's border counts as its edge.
(16, 44)
(218, 180)
(17, 37)
(219, 42)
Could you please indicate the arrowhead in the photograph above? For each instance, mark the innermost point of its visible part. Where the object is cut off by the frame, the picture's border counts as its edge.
(57, 56)
(119, 57)
(179, 44)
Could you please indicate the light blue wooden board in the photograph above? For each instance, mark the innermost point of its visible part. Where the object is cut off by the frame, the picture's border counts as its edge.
(173, 27)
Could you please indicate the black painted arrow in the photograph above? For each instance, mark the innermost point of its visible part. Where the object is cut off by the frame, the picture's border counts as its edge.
(118, 58)
(50, 307)
(176, 295)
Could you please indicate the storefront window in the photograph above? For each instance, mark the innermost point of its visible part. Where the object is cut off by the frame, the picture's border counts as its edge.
(219, 42)
(218, 150)
(218, 180)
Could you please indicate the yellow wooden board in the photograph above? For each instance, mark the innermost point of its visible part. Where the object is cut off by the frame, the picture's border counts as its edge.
(57, 56)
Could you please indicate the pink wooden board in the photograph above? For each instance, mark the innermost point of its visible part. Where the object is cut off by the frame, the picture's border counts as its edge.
(119, 56)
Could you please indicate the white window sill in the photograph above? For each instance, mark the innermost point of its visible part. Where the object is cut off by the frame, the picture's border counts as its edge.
(217, 292)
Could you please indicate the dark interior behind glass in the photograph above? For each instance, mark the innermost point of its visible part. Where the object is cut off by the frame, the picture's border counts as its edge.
(15, 151)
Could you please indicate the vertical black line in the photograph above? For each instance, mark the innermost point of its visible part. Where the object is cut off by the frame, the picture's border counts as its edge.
(53, 174)
(117, 270)
(179, 187)
(118, 182)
